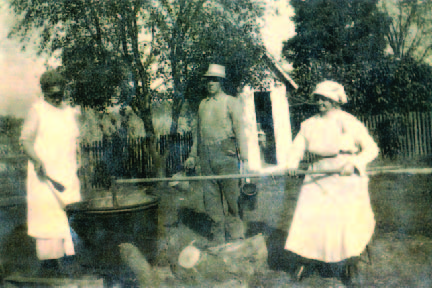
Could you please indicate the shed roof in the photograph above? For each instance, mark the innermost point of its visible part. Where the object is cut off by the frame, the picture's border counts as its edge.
(277, 69)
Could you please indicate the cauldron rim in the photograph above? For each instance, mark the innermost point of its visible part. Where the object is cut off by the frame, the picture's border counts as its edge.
(80, 207)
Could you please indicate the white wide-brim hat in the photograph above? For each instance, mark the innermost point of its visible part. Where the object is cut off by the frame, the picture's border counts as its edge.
(331, 90)
(215, 70)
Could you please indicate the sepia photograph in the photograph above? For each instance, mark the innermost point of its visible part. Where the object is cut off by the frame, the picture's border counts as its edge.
(215, 143)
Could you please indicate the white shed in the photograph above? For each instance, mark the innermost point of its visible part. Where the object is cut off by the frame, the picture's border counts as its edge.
(266, 113)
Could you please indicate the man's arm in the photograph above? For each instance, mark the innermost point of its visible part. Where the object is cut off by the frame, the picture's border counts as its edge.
(190, 161)
(239, 127)
(195, 131)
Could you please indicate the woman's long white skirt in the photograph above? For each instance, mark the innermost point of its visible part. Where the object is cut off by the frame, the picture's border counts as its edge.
(333, 219)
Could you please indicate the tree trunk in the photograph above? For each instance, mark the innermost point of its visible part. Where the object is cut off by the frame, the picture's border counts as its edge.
(175, 111)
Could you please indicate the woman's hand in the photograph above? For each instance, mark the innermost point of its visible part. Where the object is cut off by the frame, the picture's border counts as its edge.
(40, 168)
(292, 172)
(347, 170)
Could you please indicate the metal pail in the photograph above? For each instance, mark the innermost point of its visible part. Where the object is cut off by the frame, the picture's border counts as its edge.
(248, 196)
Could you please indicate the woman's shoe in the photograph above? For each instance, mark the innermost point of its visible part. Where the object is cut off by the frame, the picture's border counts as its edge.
(299, 273)
(349, 274)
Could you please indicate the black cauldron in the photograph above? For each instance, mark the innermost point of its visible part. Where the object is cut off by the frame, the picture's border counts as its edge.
(103, 223)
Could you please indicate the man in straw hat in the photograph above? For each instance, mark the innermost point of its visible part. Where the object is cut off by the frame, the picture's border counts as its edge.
(220, 143)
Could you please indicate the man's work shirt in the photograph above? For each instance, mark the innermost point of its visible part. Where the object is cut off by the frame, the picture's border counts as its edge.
(220, 118)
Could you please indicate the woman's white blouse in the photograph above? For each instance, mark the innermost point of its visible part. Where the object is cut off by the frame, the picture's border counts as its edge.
(329, 135)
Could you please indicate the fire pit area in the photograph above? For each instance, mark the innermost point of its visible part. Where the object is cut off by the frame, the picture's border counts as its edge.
(103, 223)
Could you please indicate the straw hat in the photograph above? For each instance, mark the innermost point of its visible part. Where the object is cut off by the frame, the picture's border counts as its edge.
(331, 90)
(215, 70)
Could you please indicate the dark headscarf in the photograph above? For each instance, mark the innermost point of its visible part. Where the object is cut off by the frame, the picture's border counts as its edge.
(51, 78)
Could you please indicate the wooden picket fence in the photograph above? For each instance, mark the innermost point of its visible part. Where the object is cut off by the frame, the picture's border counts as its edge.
(402, 135)
(131, 157)
(397, 135)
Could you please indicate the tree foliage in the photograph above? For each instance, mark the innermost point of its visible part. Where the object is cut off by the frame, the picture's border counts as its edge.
(345, 41)
(192, 34)
(410, 30)
(128, 43)
(10, 130)
(336, 32)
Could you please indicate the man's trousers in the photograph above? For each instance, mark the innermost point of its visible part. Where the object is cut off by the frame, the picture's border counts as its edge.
(221, 159)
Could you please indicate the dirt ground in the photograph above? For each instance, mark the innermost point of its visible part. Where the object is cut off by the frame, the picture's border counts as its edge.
(401, 249)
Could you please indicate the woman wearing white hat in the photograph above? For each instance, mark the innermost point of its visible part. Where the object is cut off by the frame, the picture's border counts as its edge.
(333, 221)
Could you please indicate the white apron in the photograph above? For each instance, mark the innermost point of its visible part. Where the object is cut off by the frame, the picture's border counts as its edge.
(333, 219)
(55, 144)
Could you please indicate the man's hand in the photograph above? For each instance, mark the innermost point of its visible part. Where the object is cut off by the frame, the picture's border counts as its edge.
(190, 163)
(244, 167)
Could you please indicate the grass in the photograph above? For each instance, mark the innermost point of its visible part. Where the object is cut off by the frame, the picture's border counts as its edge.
(401, 247)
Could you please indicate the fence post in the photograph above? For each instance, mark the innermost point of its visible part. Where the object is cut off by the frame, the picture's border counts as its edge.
(429, 130)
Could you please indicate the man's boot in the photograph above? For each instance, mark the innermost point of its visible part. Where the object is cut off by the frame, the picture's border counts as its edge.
(235, 228)
(217, 234)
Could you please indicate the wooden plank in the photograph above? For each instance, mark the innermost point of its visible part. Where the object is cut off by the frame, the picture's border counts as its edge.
(377, 123)
(134, 155)
(416, 133)
(413, 133)
(13, 201)
(89, 281)
(429, 130)
(402, 135)
(12, 158)
(422, 133)
(409, 136)
(425, 133)
(148, 159)
(418, 130)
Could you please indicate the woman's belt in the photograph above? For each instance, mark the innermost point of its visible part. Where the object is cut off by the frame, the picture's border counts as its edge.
(341, 152)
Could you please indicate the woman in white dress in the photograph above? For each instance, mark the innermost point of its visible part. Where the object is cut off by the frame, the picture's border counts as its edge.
(333, 221)
(49, 138)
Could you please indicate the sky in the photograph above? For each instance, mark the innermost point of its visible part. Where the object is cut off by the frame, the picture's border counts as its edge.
(20, 71)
